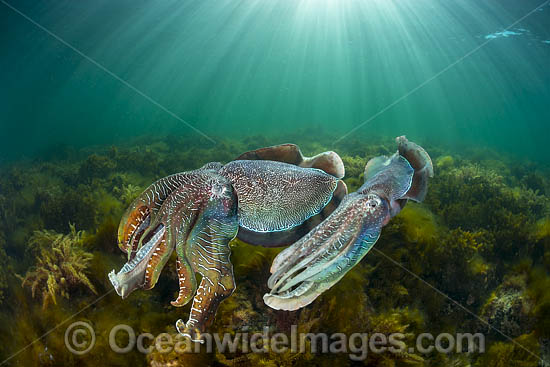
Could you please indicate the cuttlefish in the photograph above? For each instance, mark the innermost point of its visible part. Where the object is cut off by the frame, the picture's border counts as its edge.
(317, 261)
(271, 197)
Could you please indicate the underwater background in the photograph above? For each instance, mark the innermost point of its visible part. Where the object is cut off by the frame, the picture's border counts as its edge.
(98, 99)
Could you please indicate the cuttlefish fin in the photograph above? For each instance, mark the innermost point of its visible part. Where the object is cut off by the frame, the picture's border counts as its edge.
(287, 153)
(330, 162)
(416, 157)
(422, 165)
(374, 166)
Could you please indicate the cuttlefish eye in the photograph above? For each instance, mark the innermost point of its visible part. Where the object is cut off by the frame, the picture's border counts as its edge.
(372, 203)
(218, 190)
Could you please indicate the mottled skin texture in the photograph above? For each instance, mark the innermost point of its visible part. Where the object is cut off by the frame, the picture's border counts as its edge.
(316, 262)
(198, 213)
(198, 219)
(266, 205)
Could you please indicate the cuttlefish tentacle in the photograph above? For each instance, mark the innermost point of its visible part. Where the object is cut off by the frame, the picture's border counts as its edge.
(132, 274)
(177, 215)
(312, 265)
(180, 212)
(157, 261)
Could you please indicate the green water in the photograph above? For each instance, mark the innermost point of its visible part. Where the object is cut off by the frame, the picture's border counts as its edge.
(258, 67)
(98, 99)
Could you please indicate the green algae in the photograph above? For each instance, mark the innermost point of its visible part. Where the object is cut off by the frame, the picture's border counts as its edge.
(511, 354)
(354, 171)
(481, 219)
(61, 265)
(95, 166)
(5, 269)
(538, 284)
(418, 224)
(543, 229)
(509, 309)
(445, 162)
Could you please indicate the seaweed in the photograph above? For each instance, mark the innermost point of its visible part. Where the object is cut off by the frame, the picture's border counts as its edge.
(418, 224)
(445, 162)
(96, 166)
(474, 197)
(538, 283)
(517, 353)
(57, 209)
(354, 171)
(482, 237)
(61, 266)
(4, 269)
(509, 309)
(128, 193)
(543, 229)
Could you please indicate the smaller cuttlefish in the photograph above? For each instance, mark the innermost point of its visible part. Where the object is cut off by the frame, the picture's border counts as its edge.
(316, 262)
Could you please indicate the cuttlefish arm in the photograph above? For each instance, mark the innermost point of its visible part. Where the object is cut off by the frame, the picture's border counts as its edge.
(158, 236)
(301, 272)
(312, 265)
(144, 210)
(208, 252)
(171, 225)
(198, 220)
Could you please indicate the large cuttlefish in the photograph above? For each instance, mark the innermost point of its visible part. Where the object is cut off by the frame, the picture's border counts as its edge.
(270, 197)
(313, 264)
